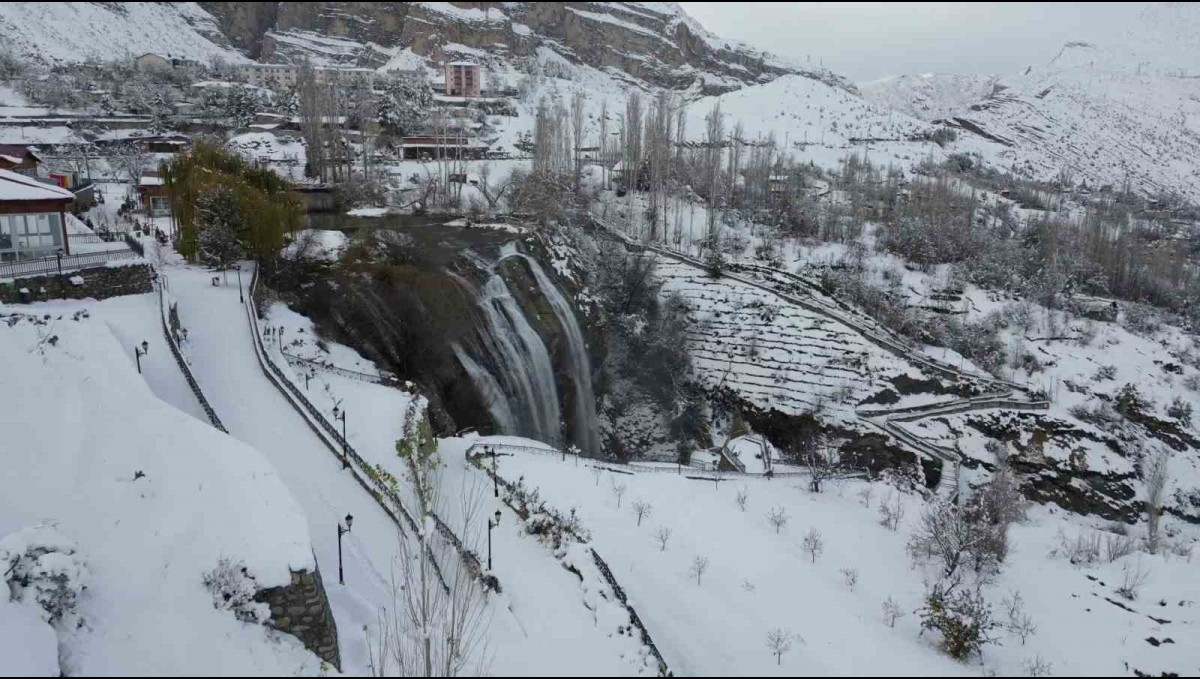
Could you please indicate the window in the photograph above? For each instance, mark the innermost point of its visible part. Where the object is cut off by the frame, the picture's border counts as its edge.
(6, 234)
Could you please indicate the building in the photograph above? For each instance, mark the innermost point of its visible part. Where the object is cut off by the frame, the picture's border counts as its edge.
(462, 79)
(32, 218)
(287, 75)
(152, 190)
(19, 159)
(152, 60)
(431, 147)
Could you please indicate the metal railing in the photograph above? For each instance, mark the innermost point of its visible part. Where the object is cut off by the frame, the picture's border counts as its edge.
(66, 263)
(619, 592)
(183, 366)
(385, 380)
(386, 496)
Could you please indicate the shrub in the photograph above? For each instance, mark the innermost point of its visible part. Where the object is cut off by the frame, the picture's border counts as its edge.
(963, 618)
(41, 563)
(233, 589)
(1180, 410)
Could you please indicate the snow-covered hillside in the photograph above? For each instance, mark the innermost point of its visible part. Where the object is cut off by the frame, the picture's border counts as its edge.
(78, 31)
(929, 96)
(149, 497)
(817, 122)
(758, 578)
(1095, 125)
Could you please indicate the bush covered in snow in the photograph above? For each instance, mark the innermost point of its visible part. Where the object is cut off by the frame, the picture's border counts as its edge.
(233, 589)
(42, 565)
(964, 619)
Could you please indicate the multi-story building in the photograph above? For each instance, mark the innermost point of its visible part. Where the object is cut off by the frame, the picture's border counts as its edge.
(286, 75)
(462, 79)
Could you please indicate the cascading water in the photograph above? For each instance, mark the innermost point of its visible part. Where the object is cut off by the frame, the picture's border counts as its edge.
(587, 427)
(518, 381)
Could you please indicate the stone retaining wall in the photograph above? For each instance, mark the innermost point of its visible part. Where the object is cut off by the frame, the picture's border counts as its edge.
(302, 610)
(98, 283)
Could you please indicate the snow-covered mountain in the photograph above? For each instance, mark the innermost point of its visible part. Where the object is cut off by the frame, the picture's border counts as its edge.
(52, 32)
(1125, 111)
(929, 96)
(655, 43)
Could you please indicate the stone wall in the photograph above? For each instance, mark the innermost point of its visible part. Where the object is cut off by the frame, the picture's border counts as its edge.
(98, 283)
(302, 610)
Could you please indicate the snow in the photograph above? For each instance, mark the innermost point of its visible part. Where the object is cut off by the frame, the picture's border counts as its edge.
(930, 96)
(317, 243)
(15, 186)
(465, 14)
(147, 180)
(22, 627)
(367, 212)
(540, 601)
(757, 580)
(817, 122)
(84, 31)
(85, 424)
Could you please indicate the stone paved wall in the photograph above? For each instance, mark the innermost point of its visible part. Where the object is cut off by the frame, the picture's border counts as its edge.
(98, 283)
(302, 610)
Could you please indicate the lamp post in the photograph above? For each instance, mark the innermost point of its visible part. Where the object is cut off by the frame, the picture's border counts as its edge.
(340, 414)
(241, 298)
(61, 286)
(139, 352)
(341, 532)
(492, 524)
(495, 473)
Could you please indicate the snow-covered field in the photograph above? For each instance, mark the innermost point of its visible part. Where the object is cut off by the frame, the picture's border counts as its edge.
(758, 579)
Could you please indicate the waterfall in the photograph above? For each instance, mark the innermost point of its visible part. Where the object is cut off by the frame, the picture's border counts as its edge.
(515, 374)
(587, 428)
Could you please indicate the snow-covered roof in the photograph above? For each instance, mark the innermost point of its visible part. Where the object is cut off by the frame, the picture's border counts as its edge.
(150, 181)
(15, 186)
(462, 63)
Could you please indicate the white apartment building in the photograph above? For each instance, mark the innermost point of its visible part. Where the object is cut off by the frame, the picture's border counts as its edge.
(286, 75)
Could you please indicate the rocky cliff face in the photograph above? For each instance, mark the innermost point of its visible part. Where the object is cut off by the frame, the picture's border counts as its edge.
(656, 43)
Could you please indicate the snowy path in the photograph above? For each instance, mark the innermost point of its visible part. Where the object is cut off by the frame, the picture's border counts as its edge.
(224, 362)
(134, 319)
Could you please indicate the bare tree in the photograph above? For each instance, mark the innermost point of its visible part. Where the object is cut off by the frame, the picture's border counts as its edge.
(850, 577)
(742, 496)
(891, 511)
(1037, 666)
(864, 496)
(891, 612)
(642, 509)
(618, 490)
(578, 126)
(597, 472)
(1156, 476)
(699, 565)
(493, 193)
(813, 544)
(662, 535)
(1019, 623)
(779, 641)
(1133, 576)
(948, 537)
(778, 518)
(435, 623)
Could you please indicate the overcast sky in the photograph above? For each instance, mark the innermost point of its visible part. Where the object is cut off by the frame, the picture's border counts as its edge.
(869, 40)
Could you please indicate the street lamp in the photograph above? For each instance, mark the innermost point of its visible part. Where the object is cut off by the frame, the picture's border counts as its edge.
(139, 352)
(341, 532)
(241, 298)
(492, 524)
(495, 473)
(340, 414)
(62, 288)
